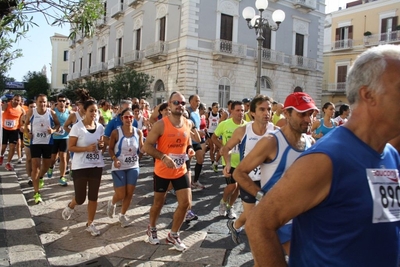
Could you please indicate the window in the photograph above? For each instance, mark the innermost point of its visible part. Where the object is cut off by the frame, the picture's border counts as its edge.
(388, 25)
(224, 89)
(119, 47)
(266, 87)
(103, 54)
(138, 35)
(159, 100)
(226, 33)
(162, 29)
(344, 37)
(90, 60)
(73, 66)
(267, 38)
(80, 64)
(341, 77)
(299, 50)
(66, 52)
(64, 78)
(159, 86)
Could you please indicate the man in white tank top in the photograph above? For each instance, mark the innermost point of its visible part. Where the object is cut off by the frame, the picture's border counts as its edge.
(246, 137)
(277, 151)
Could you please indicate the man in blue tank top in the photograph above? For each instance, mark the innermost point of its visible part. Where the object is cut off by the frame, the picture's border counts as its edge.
(343, 192)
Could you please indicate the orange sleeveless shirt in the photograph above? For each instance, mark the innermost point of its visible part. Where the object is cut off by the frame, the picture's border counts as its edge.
(11, 117)
(173, 142)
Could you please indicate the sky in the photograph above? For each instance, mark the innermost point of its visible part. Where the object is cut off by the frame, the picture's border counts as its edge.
(36, 47)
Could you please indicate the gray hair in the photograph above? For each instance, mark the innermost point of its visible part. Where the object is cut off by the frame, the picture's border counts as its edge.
(368, 69)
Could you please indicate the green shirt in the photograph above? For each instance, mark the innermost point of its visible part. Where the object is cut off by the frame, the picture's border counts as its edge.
(225, 129)
(107, 115)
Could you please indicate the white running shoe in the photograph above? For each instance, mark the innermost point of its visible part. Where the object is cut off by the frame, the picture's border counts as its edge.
(176, 242)
(198, 185)
(92, 230)
(222, 208)
(67, 212)
(152, 236)
(231, 213)
(110, 209)
(123, 220)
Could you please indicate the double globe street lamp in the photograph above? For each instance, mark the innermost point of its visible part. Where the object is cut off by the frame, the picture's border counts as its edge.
(259, 23)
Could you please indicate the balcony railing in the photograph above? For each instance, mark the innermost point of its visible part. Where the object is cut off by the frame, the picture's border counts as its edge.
(336, 87)
(342, 44)
(99, 67)
(157, 51)
(134, 3)
(307, 4)
(272, 56)
(383, 38)
(116, 62)
(229, 47)
(117, 10)
(135, 56)
(304, 63)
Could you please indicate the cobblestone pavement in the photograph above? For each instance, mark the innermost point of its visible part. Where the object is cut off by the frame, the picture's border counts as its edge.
(66, 243)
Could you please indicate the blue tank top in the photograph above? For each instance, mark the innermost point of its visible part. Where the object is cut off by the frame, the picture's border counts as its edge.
(323, 129)
(358, 223)
(195, 117)
(62, 117)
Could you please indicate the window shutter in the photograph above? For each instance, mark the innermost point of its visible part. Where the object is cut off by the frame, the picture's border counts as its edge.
(226, 27)
(337, 37)
(350, 32)
(384, 26)
(299, 51)
(342, 73)
(138, 33)
(162, 29)
(267, 38)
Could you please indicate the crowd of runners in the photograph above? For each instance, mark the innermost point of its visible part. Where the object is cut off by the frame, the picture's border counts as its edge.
(253, 143)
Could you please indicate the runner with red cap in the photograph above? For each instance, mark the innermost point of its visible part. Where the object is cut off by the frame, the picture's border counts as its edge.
(277, 151)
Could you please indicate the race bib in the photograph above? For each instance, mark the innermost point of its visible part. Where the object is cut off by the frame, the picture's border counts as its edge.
(385, 191)
(179, 159)
(40, 135)
(214, 123)
(129, 160)
(10, 123)
(255, 174)
(92, 158)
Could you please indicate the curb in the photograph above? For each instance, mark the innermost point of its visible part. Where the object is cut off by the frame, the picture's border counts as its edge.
(20, 244)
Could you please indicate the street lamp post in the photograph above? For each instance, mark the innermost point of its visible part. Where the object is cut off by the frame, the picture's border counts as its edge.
(259, 23)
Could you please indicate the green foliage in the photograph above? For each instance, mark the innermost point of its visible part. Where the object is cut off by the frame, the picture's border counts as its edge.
(367, 33)
(35, 84)
(3, 80)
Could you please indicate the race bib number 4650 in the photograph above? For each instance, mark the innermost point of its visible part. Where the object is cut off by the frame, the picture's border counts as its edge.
(385, 191)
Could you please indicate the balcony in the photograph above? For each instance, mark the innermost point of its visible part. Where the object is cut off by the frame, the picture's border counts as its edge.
(133, 58)
(156, 52)
(101, 22)
(272, 58)
(305, 5)
(228, 51)
(115, 63)
(85, 73)
(117, 10)
(344, 44)
(300, 63)
(76, 75)
(99, 68)
(134, 3)
(336, 87)
(383, 38)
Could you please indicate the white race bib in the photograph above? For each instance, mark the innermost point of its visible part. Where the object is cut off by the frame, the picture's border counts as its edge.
(41, 135)
(385, 191)
(10, 123)
(129, 160)
(179, 159)
(92, 158)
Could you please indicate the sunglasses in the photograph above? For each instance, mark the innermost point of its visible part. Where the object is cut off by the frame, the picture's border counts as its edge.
(60, 100)
(128, 117)
(176, 103)
(67, 104)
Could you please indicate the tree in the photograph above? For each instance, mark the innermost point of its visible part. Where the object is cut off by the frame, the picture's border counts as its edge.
(130, 83)
(15, 20)
(97, 89)
(35, 84)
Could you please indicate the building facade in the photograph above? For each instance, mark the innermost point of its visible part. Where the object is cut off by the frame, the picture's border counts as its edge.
(59, 61)
(205, 47)
(351, 31)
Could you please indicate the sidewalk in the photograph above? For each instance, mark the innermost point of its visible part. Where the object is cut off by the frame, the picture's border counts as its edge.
(49, 240)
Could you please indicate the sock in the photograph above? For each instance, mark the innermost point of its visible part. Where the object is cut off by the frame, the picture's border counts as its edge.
(174, 234)
(197, 171)
(153, 228)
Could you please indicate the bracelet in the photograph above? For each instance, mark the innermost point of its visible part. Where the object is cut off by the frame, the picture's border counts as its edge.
(113, 157)
(162, 158)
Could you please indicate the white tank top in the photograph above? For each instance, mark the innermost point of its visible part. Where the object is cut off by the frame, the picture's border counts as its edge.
(39, 126)
(126, 150)
(285, 157)
(140, 123)
(212, 122)
(248, 142)
(78, 116)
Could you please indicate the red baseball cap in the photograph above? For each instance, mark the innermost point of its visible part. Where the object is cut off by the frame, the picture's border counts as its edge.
(299, 101)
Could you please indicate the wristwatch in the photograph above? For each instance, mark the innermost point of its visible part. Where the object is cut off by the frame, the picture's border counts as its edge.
(260, 195)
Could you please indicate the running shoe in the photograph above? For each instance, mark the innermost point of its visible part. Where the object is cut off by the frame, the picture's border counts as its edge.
(222, 208)
(152, 236)
(50, 173)
(172, 191)
(123, 220)
(9, 167)
(231, 213)
(215, 167)
(190, 216)
(110, 209)
(234, 233)
(63, 181)
(198, 185)
(1, 160)
(30, 183)
(38, 198)
(176, 242)
(41, 183)
(67, 212)
(92, 230)
(19, 161)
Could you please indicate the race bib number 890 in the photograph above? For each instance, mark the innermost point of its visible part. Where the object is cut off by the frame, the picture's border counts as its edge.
(385, 191)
